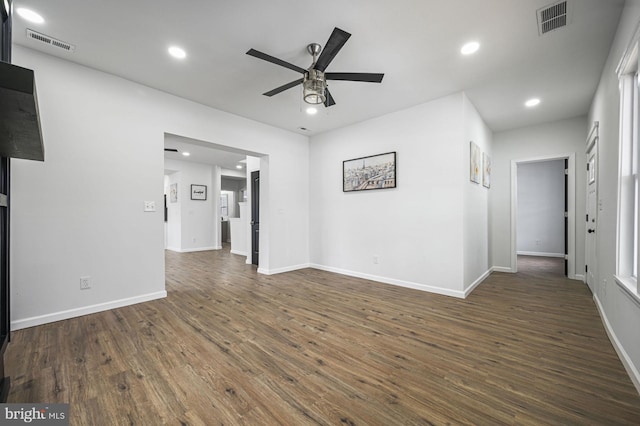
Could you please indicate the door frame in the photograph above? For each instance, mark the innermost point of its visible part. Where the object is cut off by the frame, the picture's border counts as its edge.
(592, 142)
(255, 214)
(571, 209)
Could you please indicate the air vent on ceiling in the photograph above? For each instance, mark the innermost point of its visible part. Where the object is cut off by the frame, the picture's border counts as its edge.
(50, 41)
(553, 17)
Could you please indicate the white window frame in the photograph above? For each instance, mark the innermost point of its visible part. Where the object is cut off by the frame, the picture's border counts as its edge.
(628, 232)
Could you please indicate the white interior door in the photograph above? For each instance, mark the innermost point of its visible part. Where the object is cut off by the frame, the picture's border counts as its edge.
(592, 214)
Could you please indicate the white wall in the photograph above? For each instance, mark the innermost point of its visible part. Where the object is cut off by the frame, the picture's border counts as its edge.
(620, 313)
(541, 208)
(197, 219)
(415, 231)
(80, 213)
(549, 140)
(475, 200)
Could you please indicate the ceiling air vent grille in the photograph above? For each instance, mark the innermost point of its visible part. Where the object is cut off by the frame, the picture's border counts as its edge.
(553, 17)
(50, 41)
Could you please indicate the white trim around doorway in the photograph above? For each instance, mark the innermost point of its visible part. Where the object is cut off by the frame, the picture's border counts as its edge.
(571, 210)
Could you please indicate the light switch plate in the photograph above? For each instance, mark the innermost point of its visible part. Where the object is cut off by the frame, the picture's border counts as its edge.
(149, 206)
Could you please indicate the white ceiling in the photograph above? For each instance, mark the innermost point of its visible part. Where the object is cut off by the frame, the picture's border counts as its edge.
(415, 43)
(204, 152)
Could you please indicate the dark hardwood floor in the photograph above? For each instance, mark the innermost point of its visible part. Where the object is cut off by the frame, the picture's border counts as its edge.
(229, 346)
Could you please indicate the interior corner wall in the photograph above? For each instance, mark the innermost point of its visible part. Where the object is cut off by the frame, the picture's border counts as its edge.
(620, 312)
(476, 255)
(410, 235)
(552, 139)
(541, 208)
(80, 213)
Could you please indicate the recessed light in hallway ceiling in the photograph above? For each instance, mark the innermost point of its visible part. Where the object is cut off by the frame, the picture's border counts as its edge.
(469, 48)
(177, 52)
(532, 102)
(30, 15)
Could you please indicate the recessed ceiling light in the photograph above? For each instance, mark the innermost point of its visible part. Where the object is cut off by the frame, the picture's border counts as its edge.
(177, 52)
(186, 154)
(469, 48)
(239, 166)
(532, 102)
(30, 15)
(312, 110)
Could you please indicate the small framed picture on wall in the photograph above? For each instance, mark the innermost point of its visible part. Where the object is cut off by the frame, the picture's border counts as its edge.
(198, 192)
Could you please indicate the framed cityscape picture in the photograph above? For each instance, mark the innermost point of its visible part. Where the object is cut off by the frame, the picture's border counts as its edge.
(372, 172)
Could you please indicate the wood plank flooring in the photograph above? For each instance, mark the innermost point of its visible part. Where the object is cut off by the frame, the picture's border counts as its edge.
(231, 347)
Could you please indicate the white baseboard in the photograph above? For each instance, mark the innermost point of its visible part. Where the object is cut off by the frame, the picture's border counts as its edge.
(579, 278)
(502, 269)
(538, 253)
(476, 283)
(238, 252)
(385, 280)
(85, 310)
(192, 250)
(282, 270)
(622, 354)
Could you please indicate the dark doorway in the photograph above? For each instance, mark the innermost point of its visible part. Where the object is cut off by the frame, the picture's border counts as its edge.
(255, 216)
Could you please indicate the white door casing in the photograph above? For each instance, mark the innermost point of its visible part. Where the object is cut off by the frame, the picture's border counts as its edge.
(592, 210)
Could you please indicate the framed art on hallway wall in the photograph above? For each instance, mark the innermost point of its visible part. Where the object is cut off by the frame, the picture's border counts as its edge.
(474, 162)
(199, 192)
(486, 170)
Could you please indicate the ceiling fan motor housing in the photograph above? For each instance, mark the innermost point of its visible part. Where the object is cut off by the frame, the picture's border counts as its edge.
(314, 86)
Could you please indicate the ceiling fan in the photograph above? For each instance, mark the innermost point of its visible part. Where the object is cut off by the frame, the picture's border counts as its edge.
(314, 80)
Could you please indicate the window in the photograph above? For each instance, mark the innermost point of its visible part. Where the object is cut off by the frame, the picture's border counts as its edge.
(628, 180)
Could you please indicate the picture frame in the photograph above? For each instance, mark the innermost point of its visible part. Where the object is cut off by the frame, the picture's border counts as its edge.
(173, 193)
(486, 170)
(199, 192)
(371, 172)
(474, 162)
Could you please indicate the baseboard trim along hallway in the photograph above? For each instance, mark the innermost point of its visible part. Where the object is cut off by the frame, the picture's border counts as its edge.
(85, 310)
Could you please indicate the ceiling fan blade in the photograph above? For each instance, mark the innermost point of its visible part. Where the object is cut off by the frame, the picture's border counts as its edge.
(269, 58)
(328, 98)
(171, 149)
(355, 76)
(284, 87)
(337, 39)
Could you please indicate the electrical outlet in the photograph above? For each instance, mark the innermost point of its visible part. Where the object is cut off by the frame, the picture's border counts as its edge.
(537, 242)
(376, 259)
(604, 287)
(85, 283)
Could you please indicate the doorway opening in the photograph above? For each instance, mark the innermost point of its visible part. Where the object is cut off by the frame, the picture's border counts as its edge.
(543, 215)
(208, 196)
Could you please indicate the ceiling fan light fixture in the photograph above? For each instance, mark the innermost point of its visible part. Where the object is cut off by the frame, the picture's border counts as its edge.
(313, 87)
